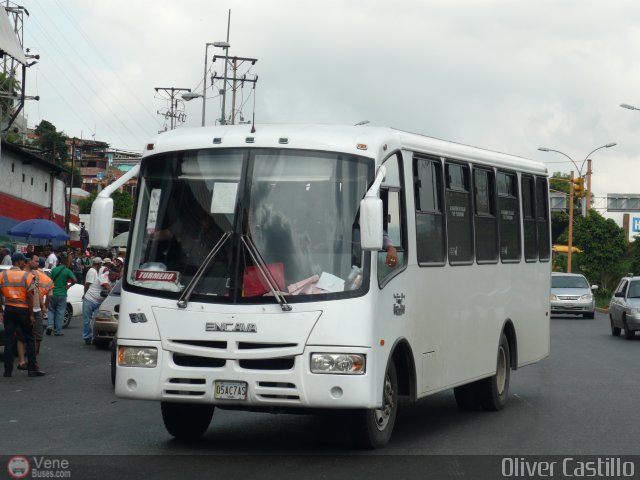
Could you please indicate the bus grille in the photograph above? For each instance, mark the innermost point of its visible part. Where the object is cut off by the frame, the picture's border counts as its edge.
(196, 361)
(282, 363)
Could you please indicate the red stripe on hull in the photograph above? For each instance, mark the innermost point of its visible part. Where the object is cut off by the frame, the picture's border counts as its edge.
(20, 210)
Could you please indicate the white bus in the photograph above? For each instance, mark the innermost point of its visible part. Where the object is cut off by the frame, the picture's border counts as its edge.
(260, 274)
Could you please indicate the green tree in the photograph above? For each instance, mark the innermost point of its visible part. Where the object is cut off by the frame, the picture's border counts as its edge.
(604, 246)
(10, 87)
(52, 141)
(85, 203)
(122, 204)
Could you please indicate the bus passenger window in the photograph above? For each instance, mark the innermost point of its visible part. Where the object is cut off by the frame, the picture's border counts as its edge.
(486, 224)
(542, 213)
(430, 228)
(509, 217)
(529, 219)
(459, 222)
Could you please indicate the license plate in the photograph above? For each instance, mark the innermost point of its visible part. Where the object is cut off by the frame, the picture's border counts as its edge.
(223, 390)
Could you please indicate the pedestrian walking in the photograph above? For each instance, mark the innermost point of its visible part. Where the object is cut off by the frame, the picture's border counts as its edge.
(84, 236)
(61, 276)
(14, 287)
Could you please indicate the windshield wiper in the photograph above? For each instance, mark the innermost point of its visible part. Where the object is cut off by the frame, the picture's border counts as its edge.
(264, 271)
(186, 294)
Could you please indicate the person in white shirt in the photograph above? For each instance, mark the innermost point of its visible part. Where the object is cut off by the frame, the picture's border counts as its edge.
(52, 261)
(93, 298)
(6, 256)
(92, 273)
(106, 265)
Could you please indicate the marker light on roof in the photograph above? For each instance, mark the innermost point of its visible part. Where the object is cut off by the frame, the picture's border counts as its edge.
(150, 146)
(361, 146)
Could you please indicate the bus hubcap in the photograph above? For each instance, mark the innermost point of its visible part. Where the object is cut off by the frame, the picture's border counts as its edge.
(383, 414)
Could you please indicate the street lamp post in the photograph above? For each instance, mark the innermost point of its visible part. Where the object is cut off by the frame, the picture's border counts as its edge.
(585, 206)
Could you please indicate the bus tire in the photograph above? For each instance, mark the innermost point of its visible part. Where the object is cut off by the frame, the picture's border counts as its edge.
(375, 425)
(493, 391)
(186, 421)
(467, 397)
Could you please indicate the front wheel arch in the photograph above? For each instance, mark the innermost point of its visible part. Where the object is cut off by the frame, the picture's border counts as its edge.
(402, 356)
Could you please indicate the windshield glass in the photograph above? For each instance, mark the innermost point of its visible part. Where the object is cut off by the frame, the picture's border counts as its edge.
(634, 290)
(561, 281)
(298, 208)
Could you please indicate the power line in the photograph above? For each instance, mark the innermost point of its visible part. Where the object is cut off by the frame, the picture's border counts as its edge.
(80, 93)
(92, 71)
(97, 52)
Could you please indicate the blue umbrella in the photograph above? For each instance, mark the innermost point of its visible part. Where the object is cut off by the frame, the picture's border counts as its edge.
(38, 228)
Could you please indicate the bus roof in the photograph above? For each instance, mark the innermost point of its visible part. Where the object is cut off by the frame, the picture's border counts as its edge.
(365, 140)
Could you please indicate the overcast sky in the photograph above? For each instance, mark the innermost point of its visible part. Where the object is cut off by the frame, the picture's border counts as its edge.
(507, 75)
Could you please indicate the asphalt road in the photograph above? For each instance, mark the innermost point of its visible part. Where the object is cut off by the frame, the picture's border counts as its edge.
(583, 399)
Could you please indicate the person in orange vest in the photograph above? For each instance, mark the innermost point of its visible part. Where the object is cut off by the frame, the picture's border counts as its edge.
(41, 289)
(18, 311)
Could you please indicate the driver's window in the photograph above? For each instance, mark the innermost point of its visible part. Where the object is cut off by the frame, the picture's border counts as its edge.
(392, 257)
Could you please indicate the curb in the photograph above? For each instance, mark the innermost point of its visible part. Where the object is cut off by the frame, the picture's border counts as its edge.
(602, 310)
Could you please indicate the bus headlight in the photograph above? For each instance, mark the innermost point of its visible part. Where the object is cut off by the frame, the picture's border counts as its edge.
(338, 363)
(553, 298)
(146, 357)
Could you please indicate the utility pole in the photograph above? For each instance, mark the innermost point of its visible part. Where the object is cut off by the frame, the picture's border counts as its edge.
(237, 62)
(73, 166)
(588, 198)
(173, 102)
(570, 241)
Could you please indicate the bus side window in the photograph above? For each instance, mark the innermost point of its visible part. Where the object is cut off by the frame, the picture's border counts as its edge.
(430, 226)
(509, 217)
(542, 213)
(459, 218)
(391, 195)
(529, 219)
(486, 224)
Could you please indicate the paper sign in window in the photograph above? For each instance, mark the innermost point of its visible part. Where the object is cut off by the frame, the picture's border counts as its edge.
(154, 205)
(224, 197)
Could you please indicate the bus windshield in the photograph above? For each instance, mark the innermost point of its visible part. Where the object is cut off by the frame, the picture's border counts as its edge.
(297, 209)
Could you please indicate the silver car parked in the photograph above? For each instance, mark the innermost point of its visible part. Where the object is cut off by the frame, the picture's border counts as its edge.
(571, 293)
(624, 308)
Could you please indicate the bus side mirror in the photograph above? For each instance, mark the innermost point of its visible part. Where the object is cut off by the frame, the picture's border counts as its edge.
(371, 211)
(101, 220)
(371, 224)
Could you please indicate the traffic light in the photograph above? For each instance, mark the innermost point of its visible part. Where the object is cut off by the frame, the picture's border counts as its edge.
(578, 187)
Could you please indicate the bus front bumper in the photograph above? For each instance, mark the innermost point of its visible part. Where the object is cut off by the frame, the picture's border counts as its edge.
(270, 383)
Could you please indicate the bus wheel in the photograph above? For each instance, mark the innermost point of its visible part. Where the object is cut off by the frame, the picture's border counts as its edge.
(186, 421)
(493, 391)
(375, 425)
